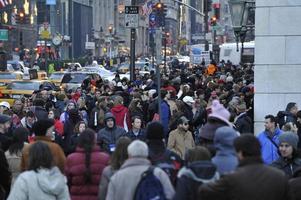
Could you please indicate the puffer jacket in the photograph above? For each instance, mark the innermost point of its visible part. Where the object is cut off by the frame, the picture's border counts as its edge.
(192, 176)
(75, 169)
(47, 184)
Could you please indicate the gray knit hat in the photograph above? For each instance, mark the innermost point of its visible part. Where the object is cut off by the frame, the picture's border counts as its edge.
(290, 138)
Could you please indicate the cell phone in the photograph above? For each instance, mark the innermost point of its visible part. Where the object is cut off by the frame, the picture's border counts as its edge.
(112, 147)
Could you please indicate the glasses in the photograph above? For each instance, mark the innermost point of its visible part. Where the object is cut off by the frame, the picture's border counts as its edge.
(185, 124)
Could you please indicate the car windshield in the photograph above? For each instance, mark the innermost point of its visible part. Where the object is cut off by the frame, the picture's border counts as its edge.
(8, 76)
(24, 86)
(74, 78)
(56, 76)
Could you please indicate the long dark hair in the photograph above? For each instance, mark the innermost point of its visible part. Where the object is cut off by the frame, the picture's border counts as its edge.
(40, 156)
(19, 137)
(120, 154)
(86, 141)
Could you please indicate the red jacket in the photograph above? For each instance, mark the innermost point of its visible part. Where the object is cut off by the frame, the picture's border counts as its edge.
(119, 112)
(75, 169)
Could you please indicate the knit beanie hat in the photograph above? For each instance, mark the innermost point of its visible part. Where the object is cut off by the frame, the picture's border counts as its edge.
(220, 112)
(155, 131)
(40, 127)
(290, 138)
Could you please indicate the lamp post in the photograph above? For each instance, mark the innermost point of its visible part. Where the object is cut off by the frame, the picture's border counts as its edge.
(240, 14)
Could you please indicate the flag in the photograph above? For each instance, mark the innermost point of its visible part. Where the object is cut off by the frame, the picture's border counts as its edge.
(147, 8)
(3, 3)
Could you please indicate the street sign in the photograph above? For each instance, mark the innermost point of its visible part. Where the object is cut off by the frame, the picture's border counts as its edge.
(131, 16)
(205, 55)
(90, 45)
(3, 34)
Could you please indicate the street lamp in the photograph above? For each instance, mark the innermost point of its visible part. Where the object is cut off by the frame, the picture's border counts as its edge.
(240, 13)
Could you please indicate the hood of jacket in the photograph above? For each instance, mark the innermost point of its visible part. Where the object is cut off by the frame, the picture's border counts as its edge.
(224, 137)
(51, 181)
(119, 109)
(200, 171)
(109, 115)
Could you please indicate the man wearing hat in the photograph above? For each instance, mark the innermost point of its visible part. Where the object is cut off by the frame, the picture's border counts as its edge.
(43, 130)
(181, 139)
(243, 122)
(5, 140)
(288, 161)
(4, 106)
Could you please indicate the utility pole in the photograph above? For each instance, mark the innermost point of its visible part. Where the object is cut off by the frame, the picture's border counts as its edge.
(206, 18)
(132, 50)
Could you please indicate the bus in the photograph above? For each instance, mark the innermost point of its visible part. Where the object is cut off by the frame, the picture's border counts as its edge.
(228, 51)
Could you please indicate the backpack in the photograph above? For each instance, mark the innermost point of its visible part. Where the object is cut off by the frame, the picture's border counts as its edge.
(168, 163)
(149, 187)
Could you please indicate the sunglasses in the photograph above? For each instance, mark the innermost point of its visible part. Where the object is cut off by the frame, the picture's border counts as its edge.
(185, 124)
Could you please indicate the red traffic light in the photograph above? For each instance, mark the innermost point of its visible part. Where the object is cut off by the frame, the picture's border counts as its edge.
(158, 5)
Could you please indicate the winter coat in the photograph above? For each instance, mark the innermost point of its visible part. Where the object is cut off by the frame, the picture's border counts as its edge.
(288, 166)
(225, 158)
(5, 174)
(140, 136)
(56, 151)
(14, 162)
(106, 175)
(269, 151)
(295, 185)
(244, 124)
(75, 169)
(44, 184)
(109, 136)
(165, 112)
(5, 141)
(40, 112)
(252, 180)
(179, 141)
(192, 176)
(122, 116)
(129, 175)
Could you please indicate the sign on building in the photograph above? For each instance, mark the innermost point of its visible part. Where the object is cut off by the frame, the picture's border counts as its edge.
(44, 31)
(3, 34)
(131, 16)
(90, 45)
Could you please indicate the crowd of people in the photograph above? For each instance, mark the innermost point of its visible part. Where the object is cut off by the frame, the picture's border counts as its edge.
(108, 140)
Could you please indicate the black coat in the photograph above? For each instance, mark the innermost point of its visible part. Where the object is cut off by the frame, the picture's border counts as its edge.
(252, 180)
(287, 166)
(192, 176)
(244, 124)
(5, 175)
(295, 185)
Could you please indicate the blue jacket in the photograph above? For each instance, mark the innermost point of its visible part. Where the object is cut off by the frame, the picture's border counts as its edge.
(225, 158)
(269, 151)
(165, 116)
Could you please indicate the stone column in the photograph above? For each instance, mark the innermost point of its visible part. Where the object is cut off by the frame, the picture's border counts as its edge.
(277, 57)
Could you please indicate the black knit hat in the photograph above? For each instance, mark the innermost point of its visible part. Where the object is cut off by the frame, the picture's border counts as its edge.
(40, 127)
(155, 131)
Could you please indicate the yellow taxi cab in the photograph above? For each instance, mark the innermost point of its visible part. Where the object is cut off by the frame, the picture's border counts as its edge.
(56, 77)
(8, 77)
(25, 88)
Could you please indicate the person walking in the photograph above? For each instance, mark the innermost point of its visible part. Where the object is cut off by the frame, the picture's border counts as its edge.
(252, 179)
(181, 139)
(269, 140)
(199, 170)
(84, 167)
(288, 161)
(225, 158)
(108, 136)
(43, 130)
(42, 180)
(131, 171)
(117, 159)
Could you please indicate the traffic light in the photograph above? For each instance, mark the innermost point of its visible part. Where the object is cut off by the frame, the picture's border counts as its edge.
(110, 29)
(20, 17)
(165, 10)
(158, 9)
(207, 5)
(213, 21)
(216, 7)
